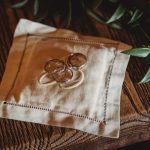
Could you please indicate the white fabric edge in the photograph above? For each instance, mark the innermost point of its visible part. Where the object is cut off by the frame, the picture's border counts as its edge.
(26, 26)
(20, 114)
(118, 72)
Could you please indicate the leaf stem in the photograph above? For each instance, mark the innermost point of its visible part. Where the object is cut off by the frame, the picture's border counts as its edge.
(142, 30)
(91, 13)
(69, 14)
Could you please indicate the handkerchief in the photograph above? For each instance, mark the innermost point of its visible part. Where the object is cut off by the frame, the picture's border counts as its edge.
(92, 105)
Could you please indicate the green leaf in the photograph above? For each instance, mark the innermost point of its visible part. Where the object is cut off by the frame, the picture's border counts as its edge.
(69, 13)
(36, 7)
(92, 14)
(96, 3)
(120, 11)
(21, 4)
(116, 25)
(147, 59)
(146, 77)
(98, 17)
(136, 15)
(144, 32)
(138, 52)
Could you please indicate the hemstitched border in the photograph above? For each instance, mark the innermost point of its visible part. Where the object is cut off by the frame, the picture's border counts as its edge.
(67, 113)
(51, 110)
(107, 85)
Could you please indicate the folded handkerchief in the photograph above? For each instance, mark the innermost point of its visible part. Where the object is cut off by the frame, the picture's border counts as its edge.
(61, 78)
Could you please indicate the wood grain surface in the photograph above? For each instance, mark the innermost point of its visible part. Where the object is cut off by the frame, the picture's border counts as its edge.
(135, 101)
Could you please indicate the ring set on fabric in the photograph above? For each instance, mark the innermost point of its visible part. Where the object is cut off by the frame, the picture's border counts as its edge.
(67, 74)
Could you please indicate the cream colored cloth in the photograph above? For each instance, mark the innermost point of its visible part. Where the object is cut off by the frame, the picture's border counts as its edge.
(93, 106)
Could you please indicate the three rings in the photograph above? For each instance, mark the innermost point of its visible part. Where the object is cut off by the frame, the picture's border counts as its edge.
(62, 73)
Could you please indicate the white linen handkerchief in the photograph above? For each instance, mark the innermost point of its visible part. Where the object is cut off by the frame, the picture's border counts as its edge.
(93, 106)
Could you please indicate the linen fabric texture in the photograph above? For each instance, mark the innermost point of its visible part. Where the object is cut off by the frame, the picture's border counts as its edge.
(92, 107)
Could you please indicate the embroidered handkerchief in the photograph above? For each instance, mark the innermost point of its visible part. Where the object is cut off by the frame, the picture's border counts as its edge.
(43, 83)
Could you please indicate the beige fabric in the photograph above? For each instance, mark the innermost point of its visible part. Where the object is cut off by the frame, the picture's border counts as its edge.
(85, 107)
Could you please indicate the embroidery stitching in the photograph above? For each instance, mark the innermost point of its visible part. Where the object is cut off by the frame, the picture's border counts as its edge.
(107, 86)
(67, 113)
(48, 109)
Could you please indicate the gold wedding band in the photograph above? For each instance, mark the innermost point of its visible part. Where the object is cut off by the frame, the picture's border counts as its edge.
(63, 77)
(77, 61)
(55, 65)
(62, 72)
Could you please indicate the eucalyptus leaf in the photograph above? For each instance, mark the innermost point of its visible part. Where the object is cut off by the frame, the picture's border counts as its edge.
(116, 25)
(69, 13)
(137, 14)
(144, 32)
(119, 12)
(147, 59)
(20, 4)
(36, 7)
(96, 3)
(133, 25)
(138, 52)
(92, 14)
(146, 77)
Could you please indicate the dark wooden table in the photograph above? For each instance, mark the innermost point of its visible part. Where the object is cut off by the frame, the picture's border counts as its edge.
(135, 103)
